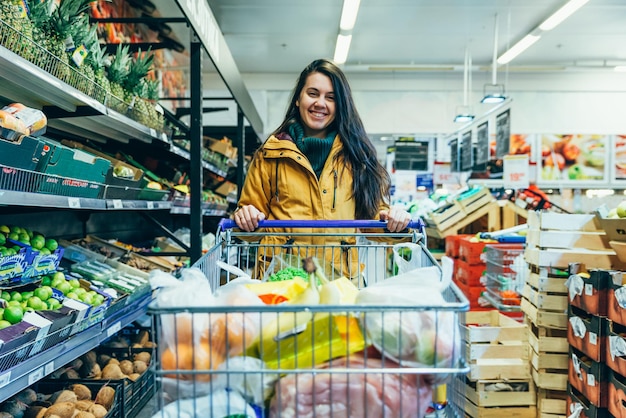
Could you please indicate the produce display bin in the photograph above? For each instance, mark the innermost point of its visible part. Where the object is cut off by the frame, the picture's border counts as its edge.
(72, 171)
(24, 154)
(50, 386)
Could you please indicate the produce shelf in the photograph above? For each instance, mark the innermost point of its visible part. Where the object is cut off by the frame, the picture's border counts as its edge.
(36, 367)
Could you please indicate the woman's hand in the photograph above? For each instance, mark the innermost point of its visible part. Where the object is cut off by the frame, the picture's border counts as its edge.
(397, 219)
(247, 218)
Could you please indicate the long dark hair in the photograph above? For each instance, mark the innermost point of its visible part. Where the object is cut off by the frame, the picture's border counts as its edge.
(371, 182)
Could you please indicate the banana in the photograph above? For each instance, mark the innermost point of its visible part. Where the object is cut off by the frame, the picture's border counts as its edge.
(329, 292)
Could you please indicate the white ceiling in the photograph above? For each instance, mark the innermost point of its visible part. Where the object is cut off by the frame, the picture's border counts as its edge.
(276, 36)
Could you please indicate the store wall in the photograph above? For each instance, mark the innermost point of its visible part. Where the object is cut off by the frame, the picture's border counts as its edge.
(414, 103)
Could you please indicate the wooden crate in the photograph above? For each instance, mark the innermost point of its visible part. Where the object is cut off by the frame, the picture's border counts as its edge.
(549, 379)
(549, 375)
(499, 369)
(552, 401)
(561, 258)
(542, 317)
(562, 221)
(476, 201)
(547, 301)
(544, 283)
(547, 340)
(493, 327)
(476, 393)
(475, 411)
(446, 216)
(591, 240)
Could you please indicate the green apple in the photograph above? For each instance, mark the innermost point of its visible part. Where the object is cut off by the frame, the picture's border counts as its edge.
(621, 209)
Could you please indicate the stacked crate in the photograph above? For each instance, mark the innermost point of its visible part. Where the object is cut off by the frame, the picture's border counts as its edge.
(554, 242)
(587, 335)
(499, 382)
(470, 270)
(505, 277)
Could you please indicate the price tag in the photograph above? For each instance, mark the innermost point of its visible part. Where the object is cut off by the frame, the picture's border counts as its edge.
(164, 137)
(73, 202)
(591, 379)
(35, 376)
(37, 346)
(516, 172)
(442, 174)
(49, 368)
(114, 329)
(150, 205)
(117, 204)
(153, 133)
(593, 338)
(5, 379)
(588, 289)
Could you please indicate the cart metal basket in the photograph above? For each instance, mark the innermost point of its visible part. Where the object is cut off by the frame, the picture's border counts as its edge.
(355, 360)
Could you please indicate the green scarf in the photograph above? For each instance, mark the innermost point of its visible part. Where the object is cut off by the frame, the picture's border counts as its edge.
(315, 149)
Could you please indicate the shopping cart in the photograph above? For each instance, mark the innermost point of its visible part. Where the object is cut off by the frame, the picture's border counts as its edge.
(356, 360)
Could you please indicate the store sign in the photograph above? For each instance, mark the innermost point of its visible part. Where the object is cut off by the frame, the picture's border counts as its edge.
(443, 175)
(516, 171)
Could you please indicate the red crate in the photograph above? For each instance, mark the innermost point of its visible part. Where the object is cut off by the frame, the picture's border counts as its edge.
(591, 338)
(591, 378)
(594, 296)
(472, 293)
(452, 244)
(470, 274)
(617, 395)
(470, 250)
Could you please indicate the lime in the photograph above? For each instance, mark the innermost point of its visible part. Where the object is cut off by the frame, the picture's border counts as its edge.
(45, 251)
(27, 294)
(58, 275)
(23, 237)
(53, 304)
(46, 281)
(4, 324)
(1, 313)
(64, 287)
(72, 295)
(14, 236)
(5, 295)
(51, 244)
(43, 293)
(16, 296)
(13, 314)
(38, 242)
(5, 229)
(35, 303)
(74, 283)
(3, 239)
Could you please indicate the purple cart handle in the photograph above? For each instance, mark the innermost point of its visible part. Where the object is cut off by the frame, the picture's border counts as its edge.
(226, 223)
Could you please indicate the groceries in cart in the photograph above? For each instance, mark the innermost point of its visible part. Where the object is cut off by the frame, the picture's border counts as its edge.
(303, 343)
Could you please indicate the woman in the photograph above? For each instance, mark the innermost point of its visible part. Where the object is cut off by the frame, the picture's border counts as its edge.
(318, 164)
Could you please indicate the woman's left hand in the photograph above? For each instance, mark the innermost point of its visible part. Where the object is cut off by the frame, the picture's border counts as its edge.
(397, 219)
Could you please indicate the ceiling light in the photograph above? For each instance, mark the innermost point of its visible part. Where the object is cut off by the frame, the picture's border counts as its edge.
(563, 13)
(462, 118)
(342, 48)
(518, 48)
(493, 93)
(348, 14)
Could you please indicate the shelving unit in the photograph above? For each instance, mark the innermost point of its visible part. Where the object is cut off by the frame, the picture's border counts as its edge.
(74, 114)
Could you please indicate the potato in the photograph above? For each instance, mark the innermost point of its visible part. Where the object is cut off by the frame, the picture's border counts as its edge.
(139, 366)
(143, 356)
(98, 411)
(84, 405)
(112, 371)
(84, 414)
(60, 409)
(63, 396)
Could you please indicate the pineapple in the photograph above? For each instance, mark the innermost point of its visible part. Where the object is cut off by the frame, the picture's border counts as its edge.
(63, 19)
(15, 19)
(117, 73)
(134, 85)
(97, 59)
(84, 35)
(151, 93)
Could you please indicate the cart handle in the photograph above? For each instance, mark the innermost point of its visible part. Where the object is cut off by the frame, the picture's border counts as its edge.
(226, 223)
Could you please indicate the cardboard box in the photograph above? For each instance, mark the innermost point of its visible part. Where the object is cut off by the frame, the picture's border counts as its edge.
(223, 147)
(587, 333)
(590, 378)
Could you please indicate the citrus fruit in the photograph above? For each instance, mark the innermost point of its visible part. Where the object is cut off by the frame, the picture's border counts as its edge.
(74, 283)
(4, 324)
(35, 303)
(38, 242)
(5, 229)
(16, 296)
(51, 244)
(13, 314)
(46, 281)
(43, 293)
(53, 304)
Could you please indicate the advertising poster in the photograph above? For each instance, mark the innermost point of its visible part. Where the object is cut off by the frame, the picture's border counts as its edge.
(503, 134)
(620, 157)
(482, 147)
(466, 151)
(573, 157)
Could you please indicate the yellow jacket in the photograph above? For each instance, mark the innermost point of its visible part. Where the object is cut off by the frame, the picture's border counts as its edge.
(281, 183)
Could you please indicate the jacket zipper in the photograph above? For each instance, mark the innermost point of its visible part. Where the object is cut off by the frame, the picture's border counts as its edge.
(335, 188)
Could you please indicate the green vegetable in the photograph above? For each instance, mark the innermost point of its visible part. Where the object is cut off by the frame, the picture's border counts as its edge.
(288, 273)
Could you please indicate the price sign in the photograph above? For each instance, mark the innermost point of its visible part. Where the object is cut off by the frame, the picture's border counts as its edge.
(443, 175)
(516, 171)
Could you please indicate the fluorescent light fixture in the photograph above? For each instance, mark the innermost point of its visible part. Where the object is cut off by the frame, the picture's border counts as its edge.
(342, 48)
(493, 93)
(348, 14)
(518, 48)
(563, 13)
(462, 118)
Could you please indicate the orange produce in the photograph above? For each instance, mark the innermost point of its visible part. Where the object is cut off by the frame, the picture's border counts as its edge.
(191, 357)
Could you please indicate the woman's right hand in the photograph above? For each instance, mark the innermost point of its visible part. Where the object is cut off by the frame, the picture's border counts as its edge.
(247, 218)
